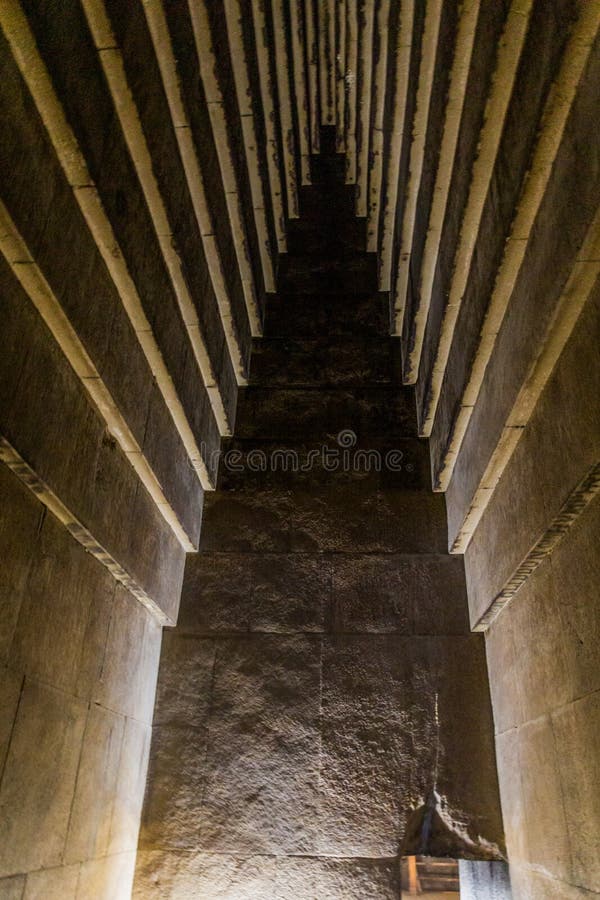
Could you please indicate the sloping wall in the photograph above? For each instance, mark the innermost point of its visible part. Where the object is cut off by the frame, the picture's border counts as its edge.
(543, 648)
(126, 330)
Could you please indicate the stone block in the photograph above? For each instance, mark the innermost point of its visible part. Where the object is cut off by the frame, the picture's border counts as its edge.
(306, 236)
(575, 566)
(263, 749)
(542, 674)
(326, 275)
(142, 74)
(43, 400)
(173, 812)
(384, 593)
(541, 57)
(109, 878)
(39, 777)
(356, 518)
(529, 883)
(128, 680)
(543, 800)
(325, 361)
(181, 875)
(378, 743)
(484, 880)
(467, 777)
(490, 23)
(90, 820)
(20, 518)
(26, 153)
(505, 524)
(128, 795)
(255, 592)
(12, 888)
(341, 518)
(64, 585)
(380, 463)
(53, 884)
(511, 795)
(576, 729)
(185, 680)
(156, 558)
(244, 523)
(559, 445)
(504, 674)
(358, 878)
(343, 314)
(11, 684)
(282, 413)
(166, 454)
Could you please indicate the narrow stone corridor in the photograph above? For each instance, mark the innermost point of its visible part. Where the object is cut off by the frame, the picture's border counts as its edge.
(322, 706)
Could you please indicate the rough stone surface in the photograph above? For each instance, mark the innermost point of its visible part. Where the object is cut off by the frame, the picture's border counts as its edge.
(12, 888)
(186, 875)
(576, 730)
(546, 718)
(49, 727)
(322, 706)
(41, 400)
(546, 36)
(53, 884)
(76, 698)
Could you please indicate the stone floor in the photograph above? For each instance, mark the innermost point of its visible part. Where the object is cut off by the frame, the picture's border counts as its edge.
(322, 707)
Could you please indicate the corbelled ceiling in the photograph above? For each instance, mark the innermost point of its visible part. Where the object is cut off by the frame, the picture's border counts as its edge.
(185, 129)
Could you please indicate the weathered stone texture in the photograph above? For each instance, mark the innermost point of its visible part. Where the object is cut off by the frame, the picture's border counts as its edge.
(80, 656)
(546, 35)
(566, 212)
(546, 716)
(490, 23)
(41, 401)
(66, 254)
(49, 726)
(558, 447)
(187, 875)
(321, 697)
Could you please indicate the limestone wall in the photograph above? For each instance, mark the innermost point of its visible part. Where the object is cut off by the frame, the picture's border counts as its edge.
(79, 656)
(126, 316)
(543, 648)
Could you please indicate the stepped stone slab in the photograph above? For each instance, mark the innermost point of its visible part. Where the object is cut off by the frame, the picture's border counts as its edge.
(321, 697)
